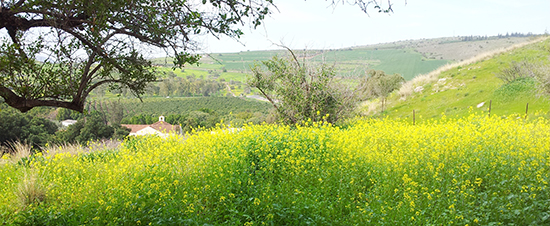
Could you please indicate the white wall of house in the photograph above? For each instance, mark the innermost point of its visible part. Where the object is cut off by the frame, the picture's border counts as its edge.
(150, 131)
(68, 122)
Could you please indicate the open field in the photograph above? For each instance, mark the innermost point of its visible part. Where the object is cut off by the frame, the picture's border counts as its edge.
(453, 49)
(471, 171)
(454, 165)
(355, 62)
(408, 58)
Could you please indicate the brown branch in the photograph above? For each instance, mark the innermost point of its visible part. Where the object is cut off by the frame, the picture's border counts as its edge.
(86, 76)
(19, 3)
(96, 49)
(155, 42)
(274, 105)
(291, 52)
(92, 87)
(23, 104)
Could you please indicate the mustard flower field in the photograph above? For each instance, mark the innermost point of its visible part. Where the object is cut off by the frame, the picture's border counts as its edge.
(476, 170)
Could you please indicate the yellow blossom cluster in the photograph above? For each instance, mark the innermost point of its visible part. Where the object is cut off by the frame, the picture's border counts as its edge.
(476, 170)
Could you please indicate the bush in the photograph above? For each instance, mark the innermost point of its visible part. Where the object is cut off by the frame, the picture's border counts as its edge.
(91, 127)
(301, 92)
(525, 70)
(517, 70)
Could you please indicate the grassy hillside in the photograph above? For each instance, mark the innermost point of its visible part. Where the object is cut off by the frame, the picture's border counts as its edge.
(453, 49)
(459, 90)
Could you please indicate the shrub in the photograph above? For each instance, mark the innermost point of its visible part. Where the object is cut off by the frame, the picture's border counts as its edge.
(30, 191)
(517, 70)
(300, 92)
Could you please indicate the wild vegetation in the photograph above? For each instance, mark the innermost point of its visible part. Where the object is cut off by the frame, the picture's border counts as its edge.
(33, 130)
(477, 170)
(170, 86)
(228, 109)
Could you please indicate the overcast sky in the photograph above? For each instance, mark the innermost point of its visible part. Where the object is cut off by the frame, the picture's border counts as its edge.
(313, 24)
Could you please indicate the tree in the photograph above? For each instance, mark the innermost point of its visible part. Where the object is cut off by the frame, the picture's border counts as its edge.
(63, 114)
(58, 52)
(25, 128)
(301, 92)
(92, 127)
(379, 84)
(115, 112)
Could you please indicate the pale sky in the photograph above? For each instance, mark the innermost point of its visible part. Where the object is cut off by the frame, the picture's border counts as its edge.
(314, 24)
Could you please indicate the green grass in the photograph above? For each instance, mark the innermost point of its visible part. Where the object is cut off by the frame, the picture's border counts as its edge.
(466, 87)
(349, 62)
(401, 61)
(233, 76)
(182, 72)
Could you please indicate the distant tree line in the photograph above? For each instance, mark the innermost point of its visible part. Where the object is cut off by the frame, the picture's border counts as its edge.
(185, 87)
(499, 36)
(200, 119)
(174, 86)
(117, 110)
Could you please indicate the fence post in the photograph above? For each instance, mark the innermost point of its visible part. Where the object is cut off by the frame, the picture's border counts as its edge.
(414, 118)
(526, 110)
(490, 104)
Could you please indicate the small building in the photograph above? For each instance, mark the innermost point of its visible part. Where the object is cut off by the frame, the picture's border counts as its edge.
(160, 128)
(68, 122)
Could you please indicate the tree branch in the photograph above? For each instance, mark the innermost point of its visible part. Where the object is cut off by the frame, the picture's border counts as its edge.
(274, 105)
(155, 42)
(96, 49)
(23, 104)
(19, 3)
(92, 87)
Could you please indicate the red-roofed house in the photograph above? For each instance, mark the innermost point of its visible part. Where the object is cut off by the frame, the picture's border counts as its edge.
(160, 128)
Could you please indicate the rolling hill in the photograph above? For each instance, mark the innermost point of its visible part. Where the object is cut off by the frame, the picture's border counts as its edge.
(408, 58)
(473, 86)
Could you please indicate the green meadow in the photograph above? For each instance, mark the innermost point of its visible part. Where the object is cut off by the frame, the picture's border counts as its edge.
(460, 90)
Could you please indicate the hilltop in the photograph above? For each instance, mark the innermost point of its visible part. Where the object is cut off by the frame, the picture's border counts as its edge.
(408, 58)
(473, 85)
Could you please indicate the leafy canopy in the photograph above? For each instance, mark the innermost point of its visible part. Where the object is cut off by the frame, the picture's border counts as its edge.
(56, 52)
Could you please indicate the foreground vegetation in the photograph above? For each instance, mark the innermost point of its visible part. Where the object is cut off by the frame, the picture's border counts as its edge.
(476, 170)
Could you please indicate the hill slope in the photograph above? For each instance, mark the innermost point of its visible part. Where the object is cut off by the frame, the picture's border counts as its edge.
(473, 87)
